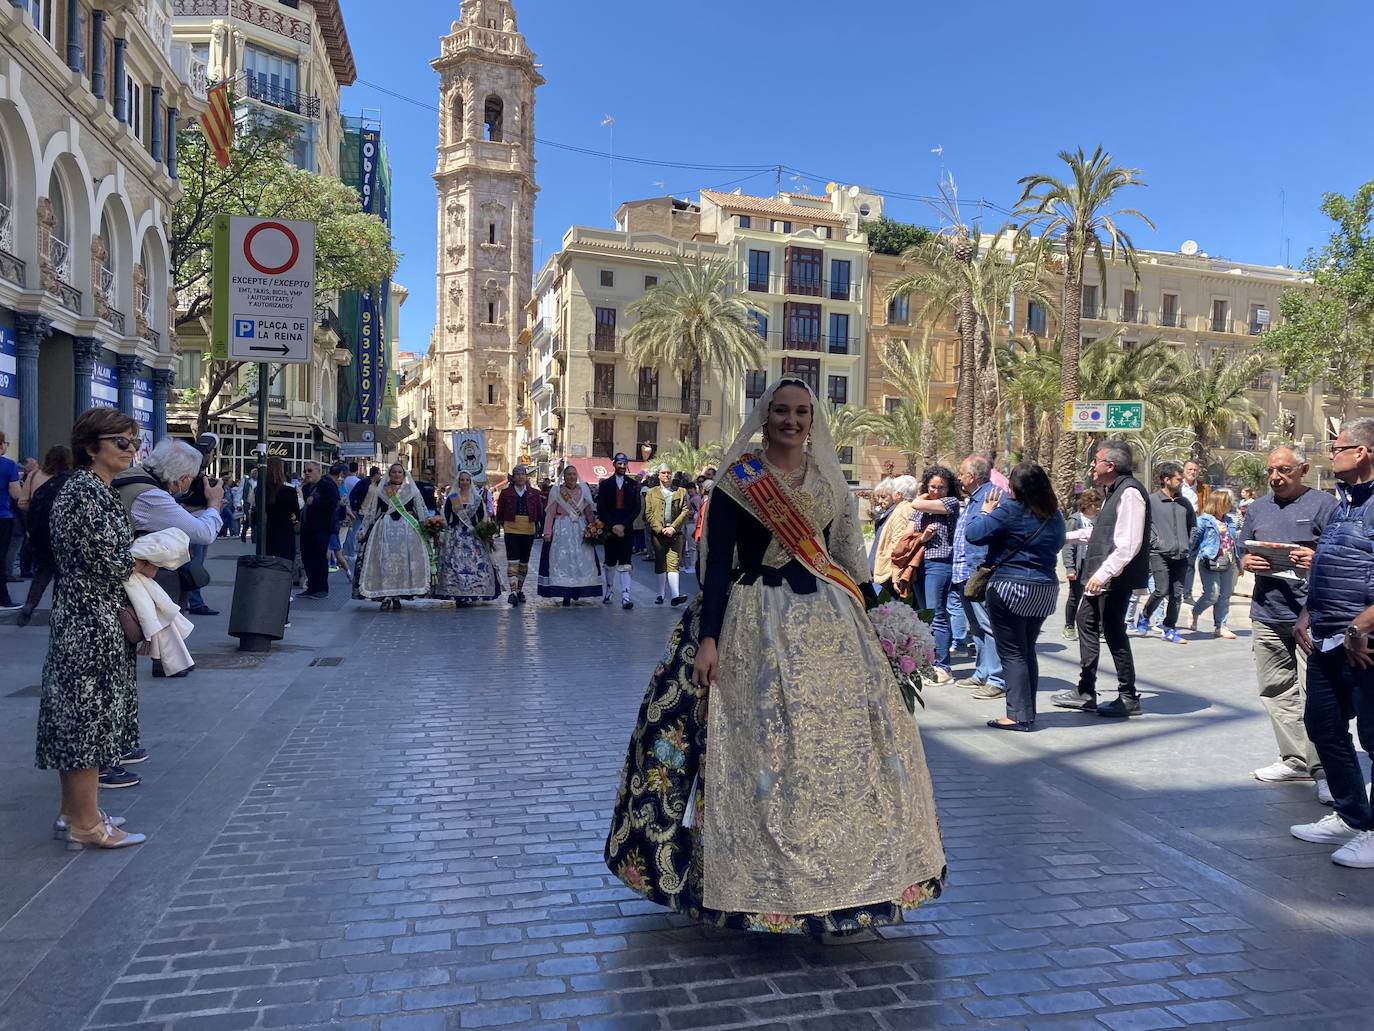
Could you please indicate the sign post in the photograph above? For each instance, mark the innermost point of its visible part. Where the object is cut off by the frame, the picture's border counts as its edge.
(264, 309)
(1104, 416)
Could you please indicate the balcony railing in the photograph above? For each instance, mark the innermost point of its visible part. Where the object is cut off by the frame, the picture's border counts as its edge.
(642, 403)
(11, 267)
(794, 285)
(145, 304)
(1135, 316)
(329, 319)
(105, 288)
(830, 343)
(1257, 328)
(1219, 324)
(305, 104)
(1173, 320)
(60, 255)
(604, 342)
(1094, 310)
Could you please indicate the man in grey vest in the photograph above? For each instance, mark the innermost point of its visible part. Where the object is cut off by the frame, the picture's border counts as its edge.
(1117, 563)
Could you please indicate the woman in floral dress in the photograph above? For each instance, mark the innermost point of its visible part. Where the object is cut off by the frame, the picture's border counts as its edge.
(466, 573)
(774, 719)
(88, 710)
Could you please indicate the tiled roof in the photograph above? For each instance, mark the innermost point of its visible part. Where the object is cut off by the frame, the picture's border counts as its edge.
(767, 206)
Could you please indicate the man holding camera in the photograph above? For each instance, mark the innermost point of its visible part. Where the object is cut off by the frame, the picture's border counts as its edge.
(196, 500)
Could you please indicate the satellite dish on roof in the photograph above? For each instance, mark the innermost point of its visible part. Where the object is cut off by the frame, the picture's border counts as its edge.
(853, 191)
(1189, 248)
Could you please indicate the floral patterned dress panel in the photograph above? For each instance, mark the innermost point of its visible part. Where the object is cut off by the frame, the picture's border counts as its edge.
(88, 709)
(466, 572)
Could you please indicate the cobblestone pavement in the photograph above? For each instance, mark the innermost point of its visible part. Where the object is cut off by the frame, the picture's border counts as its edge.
(411, 840)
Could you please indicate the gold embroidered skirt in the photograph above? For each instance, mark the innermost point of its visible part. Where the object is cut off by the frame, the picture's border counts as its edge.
(817, 793)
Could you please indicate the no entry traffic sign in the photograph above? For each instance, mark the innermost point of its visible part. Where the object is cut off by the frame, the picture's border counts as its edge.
(264, 289)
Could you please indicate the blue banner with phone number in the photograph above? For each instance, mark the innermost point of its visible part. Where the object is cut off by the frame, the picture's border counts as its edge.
(9, 364)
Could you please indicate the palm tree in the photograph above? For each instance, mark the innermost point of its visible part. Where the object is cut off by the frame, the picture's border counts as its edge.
(1247, 469)
(1011, 267)
(683, 457)
(913, 431)
(849, 424)
(1215, 399)
(695, 322)
(1031, 393)
(1078, 213)
(944, 275)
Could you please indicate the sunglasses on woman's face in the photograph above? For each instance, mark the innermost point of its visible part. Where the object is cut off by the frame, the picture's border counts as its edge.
(124, 443)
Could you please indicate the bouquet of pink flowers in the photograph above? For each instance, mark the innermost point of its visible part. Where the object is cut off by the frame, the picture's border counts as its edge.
(909, 645)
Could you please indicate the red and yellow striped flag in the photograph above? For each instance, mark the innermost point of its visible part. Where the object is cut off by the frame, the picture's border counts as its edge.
(218, 124)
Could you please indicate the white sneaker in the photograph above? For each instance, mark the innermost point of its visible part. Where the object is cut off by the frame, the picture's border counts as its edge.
(1324, 792)
(1329, 830)
(1277, 773)
(1357, 852)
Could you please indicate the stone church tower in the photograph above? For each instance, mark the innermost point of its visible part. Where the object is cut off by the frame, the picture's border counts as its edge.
(486, 192)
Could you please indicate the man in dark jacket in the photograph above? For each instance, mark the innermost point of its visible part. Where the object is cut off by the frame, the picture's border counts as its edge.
(1334, 631)
(1116, 564)
(317, 523)
(1172, 522)
(617, 505)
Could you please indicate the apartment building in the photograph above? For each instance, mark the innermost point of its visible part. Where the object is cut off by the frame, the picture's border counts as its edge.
(586, 398)
(286, 59)
(803, 260)
(1203, 304)
(91, 97)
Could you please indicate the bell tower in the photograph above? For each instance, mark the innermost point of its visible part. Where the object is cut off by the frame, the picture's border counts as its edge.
(486, 192)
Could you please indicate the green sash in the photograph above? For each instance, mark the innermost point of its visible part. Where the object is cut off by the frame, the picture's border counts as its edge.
(405, 514)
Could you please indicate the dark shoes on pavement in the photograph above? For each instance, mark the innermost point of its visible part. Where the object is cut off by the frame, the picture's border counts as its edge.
(679, 600)
(157, 671)
(203, 610)
(1125, 705)
(119, 777)
(133, 758)
(1017, 725)
(1074, 700)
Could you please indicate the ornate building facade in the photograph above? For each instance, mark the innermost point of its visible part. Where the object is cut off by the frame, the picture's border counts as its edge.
(486, 192)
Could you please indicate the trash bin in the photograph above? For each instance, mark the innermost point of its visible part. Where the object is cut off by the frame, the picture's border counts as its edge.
(262, 598)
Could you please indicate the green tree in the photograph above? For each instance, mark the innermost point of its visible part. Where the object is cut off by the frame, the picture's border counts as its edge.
(685, 458)
(1011, 267)
(1327, 332)
(1077, 212)
(696, 322)
(850, 425)
(352, 249)
(1247, 469)
(888, 236)
(911, 426)
(1215, 398)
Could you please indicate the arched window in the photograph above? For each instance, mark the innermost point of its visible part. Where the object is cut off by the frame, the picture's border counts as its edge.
(492, 116)
(59, 243)
(106, 273)
(457, 131)
(6, 216)
(144, 299)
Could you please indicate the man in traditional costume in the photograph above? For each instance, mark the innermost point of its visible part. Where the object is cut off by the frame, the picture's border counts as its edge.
(617, 505)
(520, 511)
(665, 513)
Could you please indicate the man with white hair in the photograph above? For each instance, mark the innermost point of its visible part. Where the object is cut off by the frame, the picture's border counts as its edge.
(665, 512)
(1291, 516)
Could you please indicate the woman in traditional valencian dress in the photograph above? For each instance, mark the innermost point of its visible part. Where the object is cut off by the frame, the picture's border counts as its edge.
(465, 570)
(568, 566)
(811, 805)
(393, 556)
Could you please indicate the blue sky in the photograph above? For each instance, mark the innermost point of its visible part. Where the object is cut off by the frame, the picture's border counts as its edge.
(1222, 105)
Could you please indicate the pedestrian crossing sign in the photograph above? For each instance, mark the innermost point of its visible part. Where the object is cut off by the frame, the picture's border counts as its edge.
(1126, 415)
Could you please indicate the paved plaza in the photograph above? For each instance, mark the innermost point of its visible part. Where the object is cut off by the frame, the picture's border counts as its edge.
(395, 822)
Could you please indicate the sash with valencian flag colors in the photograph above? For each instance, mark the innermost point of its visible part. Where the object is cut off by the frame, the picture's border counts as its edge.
(802, 541)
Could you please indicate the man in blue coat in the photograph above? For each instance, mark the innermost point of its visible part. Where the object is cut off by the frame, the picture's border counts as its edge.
(1334, 631)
